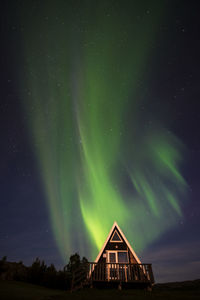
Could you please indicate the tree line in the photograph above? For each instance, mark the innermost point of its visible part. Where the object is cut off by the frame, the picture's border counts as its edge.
(41, 274)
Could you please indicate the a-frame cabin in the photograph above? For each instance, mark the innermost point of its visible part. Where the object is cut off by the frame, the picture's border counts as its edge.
(117, 265)
(117, 249)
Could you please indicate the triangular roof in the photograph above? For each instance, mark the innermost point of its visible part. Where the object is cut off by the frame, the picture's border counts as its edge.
(115, 225)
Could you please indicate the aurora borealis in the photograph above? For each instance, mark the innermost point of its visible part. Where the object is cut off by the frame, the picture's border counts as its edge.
(106, 148)
(80, 94)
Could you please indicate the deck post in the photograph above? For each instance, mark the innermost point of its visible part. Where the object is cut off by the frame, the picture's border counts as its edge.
(149, 288)
(120, 286)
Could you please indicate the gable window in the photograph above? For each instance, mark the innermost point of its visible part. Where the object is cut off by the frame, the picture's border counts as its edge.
(116, 237)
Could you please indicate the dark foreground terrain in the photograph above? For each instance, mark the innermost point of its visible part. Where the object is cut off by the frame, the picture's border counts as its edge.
(11, 290)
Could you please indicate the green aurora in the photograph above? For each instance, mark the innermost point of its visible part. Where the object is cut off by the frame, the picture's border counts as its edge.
(98, 160)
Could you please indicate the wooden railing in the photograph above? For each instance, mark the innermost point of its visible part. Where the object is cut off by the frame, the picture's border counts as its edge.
(122, 272)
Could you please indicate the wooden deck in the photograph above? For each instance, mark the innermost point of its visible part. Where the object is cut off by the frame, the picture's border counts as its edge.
(105, 274)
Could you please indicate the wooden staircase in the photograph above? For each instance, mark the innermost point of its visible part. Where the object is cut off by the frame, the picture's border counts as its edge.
(80, 278)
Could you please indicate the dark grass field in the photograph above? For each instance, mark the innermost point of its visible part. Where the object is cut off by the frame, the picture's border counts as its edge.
(11, 290)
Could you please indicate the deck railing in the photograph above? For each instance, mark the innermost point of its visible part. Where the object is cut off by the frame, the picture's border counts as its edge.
(120, 271)
(105, 272)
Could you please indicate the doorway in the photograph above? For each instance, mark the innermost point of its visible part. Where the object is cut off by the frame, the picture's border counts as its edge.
(117, 265)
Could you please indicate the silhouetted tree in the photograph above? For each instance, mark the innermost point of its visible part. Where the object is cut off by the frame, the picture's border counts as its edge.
(74, 263)
(50, 277)
(36, 271)
(39, 273)
(3, 265)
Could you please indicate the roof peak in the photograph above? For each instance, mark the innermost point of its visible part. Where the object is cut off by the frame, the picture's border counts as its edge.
(115, 224)
(124, 238)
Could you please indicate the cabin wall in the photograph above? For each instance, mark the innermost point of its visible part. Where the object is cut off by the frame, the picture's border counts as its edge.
(132, 259)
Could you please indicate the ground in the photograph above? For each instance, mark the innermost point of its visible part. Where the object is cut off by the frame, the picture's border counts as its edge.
(12, 290)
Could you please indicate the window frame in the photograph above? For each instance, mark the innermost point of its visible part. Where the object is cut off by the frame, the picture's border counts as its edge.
(120, 241)
(116, 255)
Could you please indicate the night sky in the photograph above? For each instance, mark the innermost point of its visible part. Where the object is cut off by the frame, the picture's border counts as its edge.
(100, 123)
